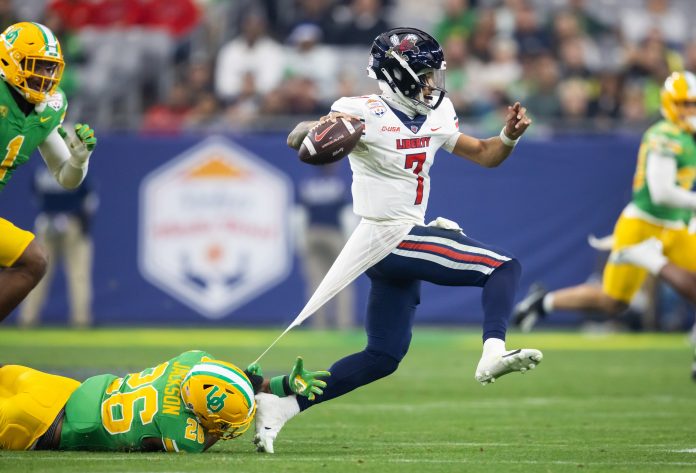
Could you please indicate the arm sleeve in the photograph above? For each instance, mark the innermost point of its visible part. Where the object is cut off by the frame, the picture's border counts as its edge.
(451, 142)
(68, 171)
(661, 174)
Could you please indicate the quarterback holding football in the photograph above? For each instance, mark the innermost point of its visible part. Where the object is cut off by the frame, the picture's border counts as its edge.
(32, 109)
(404, 126)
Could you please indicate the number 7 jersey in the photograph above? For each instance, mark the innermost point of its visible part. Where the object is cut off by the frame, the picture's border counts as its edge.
(391, 163)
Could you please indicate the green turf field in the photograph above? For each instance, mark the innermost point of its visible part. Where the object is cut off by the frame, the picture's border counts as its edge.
(597, 403)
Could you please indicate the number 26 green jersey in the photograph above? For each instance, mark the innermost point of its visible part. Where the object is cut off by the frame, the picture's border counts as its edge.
(115, 414)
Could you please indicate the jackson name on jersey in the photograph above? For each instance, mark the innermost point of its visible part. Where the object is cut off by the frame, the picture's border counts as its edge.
(391, 163)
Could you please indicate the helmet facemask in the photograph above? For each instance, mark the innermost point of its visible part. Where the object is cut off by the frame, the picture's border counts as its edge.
(41, 75)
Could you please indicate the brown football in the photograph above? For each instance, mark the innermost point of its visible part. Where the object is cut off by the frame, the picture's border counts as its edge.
(330, 141)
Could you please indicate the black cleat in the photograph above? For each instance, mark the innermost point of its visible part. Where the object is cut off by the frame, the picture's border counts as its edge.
(530, 309)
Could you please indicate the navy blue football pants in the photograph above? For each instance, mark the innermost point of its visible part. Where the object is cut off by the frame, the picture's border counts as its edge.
(443, 257)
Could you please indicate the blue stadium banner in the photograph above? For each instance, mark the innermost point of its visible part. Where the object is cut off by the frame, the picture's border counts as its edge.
(194, 229)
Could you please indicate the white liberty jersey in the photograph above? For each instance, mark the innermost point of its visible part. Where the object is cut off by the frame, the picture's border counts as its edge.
(391, 163)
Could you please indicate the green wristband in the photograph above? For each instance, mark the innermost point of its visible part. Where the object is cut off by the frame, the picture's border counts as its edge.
(277, 386)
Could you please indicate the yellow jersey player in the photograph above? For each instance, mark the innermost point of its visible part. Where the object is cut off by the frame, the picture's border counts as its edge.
(659, 213)
(185, 404)
(32, 109)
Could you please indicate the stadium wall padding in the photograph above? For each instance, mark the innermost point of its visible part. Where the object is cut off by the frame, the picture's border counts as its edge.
(541, 205)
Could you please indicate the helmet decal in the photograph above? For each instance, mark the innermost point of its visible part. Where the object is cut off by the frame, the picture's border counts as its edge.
(215, 403)
(408, 44)
(11, 36)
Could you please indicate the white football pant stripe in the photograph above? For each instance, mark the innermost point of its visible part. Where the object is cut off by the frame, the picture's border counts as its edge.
(444, 261)
(457, 246)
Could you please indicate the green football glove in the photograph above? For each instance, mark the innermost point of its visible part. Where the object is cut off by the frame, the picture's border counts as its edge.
(82, 144)
(86, 135)
(306, 383)
(255, 368)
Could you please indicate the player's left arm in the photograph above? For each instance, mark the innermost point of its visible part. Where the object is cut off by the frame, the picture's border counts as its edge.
(67, 155)
(493, 151)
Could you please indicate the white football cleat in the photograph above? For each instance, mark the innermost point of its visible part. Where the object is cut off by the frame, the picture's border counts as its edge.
(272, 412)
(493, 366)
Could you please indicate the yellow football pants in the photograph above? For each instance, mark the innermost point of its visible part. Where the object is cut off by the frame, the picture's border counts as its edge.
(621, 282)
(29, 403)
(13, 242)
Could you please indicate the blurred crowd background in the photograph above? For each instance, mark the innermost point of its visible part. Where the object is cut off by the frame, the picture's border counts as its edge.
(172, 66)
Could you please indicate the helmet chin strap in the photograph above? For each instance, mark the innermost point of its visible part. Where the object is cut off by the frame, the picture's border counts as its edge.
(392, 91)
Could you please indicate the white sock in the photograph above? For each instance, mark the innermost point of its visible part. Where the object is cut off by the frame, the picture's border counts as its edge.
(547, 303)
(291, 405)
(493, 345)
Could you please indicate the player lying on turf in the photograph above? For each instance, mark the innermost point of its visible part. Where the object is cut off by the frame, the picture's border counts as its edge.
(185, 404)
(404, 128)
(663, 203)
(32, 109)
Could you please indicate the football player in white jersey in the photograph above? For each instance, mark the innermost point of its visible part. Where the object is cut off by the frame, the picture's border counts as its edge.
(404, 127)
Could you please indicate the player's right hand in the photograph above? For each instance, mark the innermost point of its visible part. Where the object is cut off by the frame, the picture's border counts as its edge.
(307, 383)
(82, 144)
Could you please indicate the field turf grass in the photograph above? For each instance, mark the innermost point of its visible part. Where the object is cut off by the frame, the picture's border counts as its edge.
(618, 403)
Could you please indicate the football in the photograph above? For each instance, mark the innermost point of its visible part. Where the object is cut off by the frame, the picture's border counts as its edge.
(330, 141)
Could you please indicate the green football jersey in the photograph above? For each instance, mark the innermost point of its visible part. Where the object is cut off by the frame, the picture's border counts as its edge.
(115, 414)
(666, 139)
(21, 134)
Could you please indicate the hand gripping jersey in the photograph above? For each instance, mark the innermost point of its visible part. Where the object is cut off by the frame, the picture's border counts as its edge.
(665, 139)
(391, 163)
(111, 413)
(21, 134)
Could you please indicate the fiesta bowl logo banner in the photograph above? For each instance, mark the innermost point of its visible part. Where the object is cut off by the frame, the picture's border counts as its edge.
(213, 227)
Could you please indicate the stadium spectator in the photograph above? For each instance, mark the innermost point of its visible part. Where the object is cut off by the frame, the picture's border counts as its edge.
(458, 72)
(307, 58)
(316, 12)
(361, 22)
(530, 35)
(63, 227)
(542, 77)
(483, 35)
(458, 19)
(252, 59)
(497, 74)
(658, 16)
(169, 117)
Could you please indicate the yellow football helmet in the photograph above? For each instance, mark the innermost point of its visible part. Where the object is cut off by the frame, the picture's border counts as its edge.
(221, 396)
(679, 89)
(31, 60)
